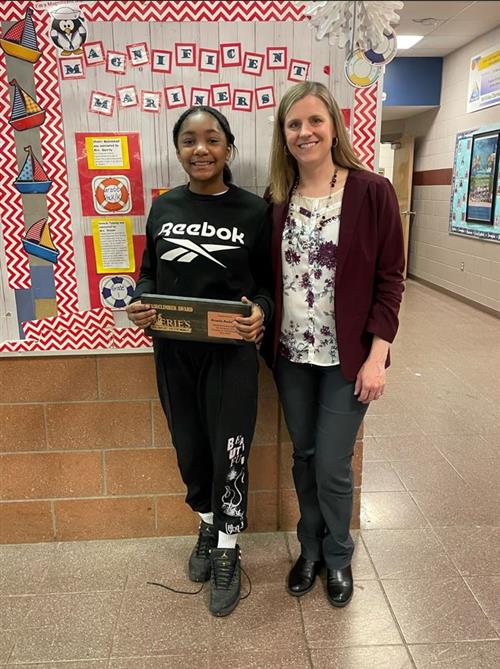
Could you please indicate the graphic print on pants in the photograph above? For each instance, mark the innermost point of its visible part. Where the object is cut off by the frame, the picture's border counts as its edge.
(235, 478)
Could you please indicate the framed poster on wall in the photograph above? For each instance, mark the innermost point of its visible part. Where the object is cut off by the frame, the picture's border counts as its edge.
(475, 190)
(482, 178)
(484, 80)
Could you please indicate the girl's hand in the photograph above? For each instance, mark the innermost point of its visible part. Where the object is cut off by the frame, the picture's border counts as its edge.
(370, 381)
(141, 315)
(250, 327)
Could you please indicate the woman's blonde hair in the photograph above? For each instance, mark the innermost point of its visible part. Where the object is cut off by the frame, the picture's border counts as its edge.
(283, 168)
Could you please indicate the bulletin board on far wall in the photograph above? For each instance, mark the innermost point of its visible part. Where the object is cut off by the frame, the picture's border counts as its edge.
(89, 94)
(475, 189)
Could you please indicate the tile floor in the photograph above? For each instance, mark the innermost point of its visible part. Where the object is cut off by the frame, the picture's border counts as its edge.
(427, 564)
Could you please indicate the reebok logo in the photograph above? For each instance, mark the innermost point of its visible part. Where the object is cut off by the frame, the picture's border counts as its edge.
(204, 230)
(186, 250)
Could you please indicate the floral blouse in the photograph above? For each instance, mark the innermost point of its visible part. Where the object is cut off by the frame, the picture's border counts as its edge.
(309, 260)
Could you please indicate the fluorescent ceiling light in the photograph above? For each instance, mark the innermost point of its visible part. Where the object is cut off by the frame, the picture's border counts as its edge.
(407, 41)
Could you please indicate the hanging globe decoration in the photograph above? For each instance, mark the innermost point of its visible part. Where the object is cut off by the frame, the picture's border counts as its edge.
(384, 51)
(359, 72)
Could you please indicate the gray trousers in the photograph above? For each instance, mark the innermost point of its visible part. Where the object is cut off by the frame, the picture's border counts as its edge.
(323, 417)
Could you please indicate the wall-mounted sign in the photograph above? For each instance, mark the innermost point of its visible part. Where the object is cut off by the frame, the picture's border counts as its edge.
(484, 80)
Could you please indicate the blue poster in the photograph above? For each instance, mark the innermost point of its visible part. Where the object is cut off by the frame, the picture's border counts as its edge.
(483, 166)
(475, 189)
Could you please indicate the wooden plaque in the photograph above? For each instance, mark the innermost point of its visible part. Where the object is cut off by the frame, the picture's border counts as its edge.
(195, 319)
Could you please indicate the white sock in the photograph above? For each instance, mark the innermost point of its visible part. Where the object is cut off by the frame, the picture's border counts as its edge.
(207, 517)
(227, 540)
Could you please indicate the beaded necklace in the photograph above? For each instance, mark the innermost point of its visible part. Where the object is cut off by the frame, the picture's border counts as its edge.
(313, 214)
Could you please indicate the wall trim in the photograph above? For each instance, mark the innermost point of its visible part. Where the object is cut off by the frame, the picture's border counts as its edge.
(460, 298)
(433, 177)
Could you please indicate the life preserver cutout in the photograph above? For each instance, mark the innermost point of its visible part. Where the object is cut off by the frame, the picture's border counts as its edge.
(111, 194)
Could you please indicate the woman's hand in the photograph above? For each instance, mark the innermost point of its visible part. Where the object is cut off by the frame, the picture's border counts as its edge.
(370, 381)
(251, 327)
(141, 315)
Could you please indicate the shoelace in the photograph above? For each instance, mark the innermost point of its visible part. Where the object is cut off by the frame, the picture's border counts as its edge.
(197, 592)
(223, 571)
(203, 545)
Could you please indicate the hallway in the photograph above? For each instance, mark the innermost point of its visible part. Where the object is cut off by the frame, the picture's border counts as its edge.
(426, 568)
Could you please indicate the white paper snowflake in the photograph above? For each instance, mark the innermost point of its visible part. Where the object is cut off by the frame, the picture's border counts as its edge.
(356, 24)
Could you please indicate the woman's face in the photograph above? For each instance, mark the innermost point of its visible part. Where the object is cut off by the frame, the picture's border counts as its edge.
(202, 147)
(309, 131)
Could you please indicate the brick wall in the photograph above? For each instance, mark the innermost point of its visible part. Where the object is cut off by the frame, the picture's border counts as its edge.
(85, 454)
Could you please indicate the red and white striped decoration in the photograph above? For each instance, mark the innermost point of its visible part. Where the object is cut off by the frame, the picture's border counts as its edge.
(11, 205)
(54, 157)
(91, 339)
(77, 340)
(20, 346)
(81, 320)
(193, 11)
(131, 338)
(364, 124)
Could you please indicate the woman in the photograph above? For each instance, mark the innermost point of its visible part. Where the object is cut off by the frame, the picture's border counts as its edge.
(208, 391)
(338, 259)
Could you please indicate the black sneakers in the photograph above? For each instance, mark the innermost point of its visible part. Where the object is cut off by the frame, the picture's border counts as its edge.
(221, 566)
(199, 560)
(224, 580)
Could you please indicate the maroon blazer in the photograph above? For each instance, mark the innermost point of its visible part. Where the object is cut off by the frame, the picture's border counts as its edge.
(369, 274)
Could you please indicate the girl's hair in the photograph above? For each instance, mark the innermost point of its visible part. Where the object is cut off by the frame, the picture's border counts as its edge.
(283, 169)
(224, 124)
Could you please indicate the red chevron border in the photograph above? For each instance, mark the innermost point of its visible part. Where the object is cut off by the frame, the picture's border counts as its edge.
(11, 205)
(65, 340)
(364, 124)
(14, 11)
(131, 338)
(52, 141)
(193, 11)
(68, 340)
(94, 318)
(20, 346)
(89, 339)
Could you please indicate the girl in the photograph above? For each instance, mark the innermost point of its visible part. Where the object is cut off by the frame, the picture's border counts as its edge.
(337, 251)
(208, 391)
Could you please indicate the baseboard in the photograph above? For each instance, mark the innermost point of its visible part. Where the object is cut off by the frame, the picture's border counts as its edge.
(456, 296)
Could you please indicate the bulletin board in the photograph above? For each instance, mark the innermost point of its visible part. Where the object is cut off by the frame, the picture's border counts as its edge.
(475, 191)
(86, 117)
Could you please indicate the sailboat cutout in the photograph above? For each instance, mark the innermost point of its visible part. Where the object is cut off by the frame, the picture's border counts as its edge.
(38, 241)
(32, 178)
(20, 39)
(26, 112)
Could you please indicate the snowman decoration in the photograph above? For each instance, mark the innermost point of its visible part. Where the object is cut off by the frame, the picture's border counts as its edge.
(68, 31)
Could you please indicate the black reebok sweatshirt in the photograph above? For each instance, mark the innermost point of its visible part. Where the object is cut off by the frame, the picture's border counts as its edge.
(208, 246)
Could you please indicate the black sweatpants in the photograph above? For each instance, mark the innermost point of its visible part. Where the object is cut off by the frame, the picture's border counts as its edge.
(323, 417)
(209, 396)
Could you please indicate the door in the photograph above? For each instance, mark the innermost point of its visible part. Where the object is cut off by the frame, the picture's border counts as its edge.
(402, 181)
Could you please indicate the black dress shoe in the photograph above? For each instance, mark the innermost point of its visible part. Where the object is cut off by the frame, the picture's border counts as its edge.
(339, 586)
(302, 575)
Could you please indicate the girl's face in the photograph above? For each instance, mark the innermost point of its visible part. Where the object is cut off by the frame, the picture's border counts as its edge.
(309, 131)
(202, 149)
